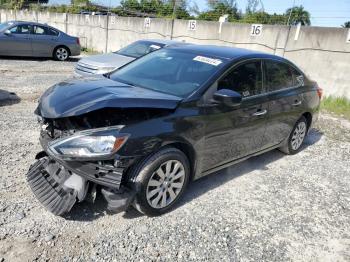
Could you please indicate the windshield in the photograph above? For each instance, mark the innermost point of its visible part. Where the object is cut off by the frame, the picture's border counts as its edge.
(4, 25)
(139, 48)
(169, 71)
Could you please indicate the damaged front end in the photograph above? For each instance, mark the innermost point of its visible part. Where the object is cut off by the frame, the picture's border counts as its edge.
(80, 154)
(84, 143)
(76, 158)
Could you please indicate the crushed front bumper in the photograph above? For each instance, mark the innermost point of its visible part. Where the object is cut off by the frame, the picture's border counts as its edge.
(51, 181)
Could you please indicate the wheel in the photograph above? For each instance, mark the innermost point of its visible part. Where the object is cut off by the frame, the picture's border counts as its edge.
(296, 137)
(61, 53)
(160, 180)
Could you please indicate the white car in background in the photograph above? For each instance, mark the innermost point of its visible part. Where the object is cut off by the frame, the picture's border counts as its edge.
(105, 63)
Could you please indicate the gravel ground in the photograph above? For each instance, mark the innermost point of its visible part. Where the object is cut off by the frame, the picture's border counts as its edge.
(269, 208)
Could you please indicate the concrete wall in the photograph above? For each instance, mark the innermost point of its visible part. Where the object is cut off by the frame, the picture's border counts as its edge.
(323, 53)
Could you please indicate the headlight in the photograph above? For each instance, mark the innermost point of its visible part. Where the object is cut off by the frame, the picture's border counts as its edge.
(99, 142)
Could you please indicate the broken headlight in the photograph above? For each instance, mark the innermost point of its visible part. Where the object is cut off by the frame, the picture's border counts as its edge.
(99, 142)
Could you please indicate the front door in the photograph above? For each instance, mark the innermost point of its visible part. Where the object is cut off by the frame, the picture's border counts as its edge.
(236, 132)
(17, 42)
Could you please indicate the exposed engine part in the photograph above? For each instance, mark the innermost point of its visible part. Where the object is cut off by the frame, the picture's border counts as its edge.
(78, 184)
(61, 127)
(118, 200)
(91, 194)
(58, 186)
(46, 179)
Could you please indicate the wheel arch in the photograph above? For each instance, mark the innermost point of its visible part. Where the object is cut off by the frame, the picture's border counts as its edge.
(189, 152)
(58, 46)
(308, 117)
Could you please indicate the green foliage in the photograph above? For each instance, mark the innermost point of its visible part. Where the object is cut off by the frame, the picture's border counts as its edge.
(152, 8)
(346, 24)
(19, 4)
(220, 8)
(80, 2)
(165, 9)
(337, 105)
(298, 15)
(264, 18)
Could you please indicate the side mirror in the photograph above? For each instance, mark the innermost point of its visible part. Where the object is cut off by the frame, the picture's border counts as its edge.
(228, 97)
(7, 32)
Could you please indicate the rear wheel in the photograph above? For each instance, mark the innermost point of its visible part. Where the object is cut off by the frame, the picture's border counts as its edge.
(296, 137)
(61, 53)
(160, 180)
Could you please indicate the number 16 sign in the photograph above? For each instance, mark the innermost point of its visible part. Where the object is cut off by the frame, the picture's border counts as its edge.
(256, 29)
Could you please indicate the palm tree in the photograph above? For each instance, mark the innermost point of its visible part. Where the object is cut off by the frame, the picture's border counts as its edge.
(346, 24)
(298, 14)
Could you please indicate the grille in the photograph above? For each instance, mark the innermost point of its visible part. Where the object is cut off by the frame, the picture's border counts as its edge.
(86, 68)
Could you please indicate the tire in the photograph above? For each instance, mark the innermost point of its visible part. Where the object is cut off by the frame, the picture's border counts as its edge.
(61, 53)
(296, 137)
(151, 178)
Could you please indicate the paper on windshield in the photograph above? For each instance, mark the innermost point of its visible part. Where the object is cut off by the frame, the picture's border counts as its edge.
(155, 46)
(208, 60)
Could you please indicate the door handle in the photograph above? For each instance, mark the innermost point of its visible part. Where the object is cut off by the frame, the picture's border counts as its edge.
(296, 103)
(260, 113)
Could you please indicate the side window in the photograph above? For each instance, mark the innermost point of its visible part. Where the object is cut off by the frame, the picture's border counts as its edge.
(40, 30)
(51, 31)
(246, 79)
(280, 76)
(20, 29)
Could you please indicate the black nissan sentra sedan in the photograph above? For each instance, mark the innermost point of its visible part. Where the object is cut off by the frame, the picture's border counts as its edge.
(140, 134)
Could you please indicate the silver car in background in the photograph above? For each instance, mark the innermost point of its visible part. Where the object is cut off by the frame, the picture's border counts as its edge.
(105, 63)
(19, 38)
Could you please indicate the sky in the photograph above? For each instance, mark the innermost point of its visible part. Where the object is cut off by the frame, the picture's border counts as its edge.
(323, 12)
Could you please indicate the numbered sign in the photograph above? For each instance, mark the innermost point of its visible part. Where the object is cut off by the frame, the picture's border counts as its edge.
(256, 29)
(192, 25)
(348, 37)
(112, 20)
(147, 23)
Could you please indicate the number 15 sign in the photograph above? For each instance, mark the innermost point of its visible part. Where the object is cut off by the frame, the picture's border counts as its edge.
(256, 29)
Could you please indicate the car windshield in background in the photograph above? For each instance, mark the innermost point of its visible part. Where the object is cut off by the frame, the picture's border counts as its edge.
(139, 49)
(4, 25)
(169, 71)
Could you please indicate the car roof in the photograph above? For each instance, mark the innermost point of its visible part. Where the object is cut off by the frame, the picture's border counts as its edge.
(224, 52)
(165, 42)
(27, 22)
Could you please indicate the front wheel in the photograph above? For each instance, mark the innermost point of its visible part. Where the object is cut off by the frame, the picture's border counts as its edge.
(296, 137)
(61, 53)
(160, 180)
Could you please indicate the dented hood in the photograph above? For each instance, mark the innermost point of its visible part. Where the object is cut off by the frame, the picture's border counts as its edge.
(77, 97)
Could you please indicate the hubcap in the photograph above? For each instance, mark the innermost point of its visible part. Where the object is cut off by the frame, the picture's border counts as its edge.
(62, 53)
(298, 135)
(165, 184)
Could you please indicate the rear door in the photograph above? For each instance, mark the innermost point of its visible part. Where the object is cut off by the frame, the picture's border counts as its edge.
(283, 84)
(17, 43)
(236, 132)
(44, 40)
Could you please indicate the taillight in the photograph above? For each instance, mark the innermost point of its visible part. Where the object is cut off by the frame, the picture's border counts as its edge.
(78, 41)
(319, 92)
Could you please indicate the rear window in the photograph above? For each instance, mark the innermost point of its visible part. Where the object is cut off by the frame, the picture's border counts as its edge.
(139, 49)
(52, 31)
(281, 76)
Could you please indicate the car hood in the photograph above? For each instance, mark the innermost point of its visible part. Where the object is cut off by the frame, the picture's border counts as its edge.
(107, 60)
(79, 96)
